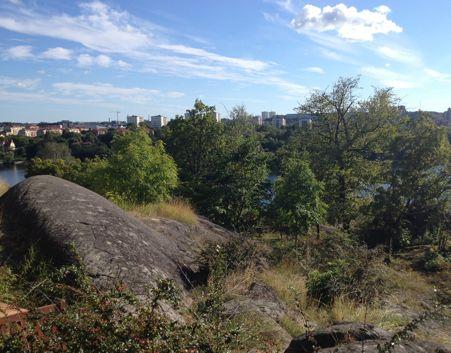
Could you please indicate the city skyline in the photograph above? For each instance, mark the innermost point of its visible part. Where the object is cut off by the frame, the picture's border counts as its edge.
(85, 60)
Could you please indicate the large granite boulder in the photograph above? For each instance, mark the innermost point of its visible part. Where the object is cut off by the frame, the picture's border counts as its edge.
(70, 223)
(354, 338)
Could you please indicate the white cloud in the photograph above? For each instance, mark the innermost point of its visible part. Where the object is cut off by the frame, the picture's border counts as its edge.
(86, 60)
(106, 91)
(437, 75)
(286, 5)
(123, 64)
(389, 78)
(19, 52)
(399, 54)
(348, 22)
(103, 60)
(256, 65)
(57, 53)
(104, 29)
(133, 94)
(40, 97)
(12, 82)
(109, 32)
(315, 70)
(175, 94)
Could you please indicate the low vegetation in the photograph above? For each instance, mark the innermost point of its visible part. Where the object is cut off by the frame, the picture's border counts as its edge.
(100, 320)
(3, 187)
(177, 209)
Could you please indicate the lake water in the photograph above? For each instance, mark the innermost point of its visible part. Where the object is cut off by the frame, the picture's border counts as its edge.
(13, 174)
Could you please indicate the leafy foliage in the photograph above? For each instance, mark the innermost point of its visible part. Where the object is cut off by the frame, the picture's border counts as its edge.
(138, 170)
(222, 168)
(297, 203)
(413, 201)
(101, 320)
(344, 141)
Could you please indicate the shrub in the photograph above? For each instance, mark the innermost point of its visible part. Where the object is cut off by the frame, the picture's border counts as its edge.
(238, 254)
(357, 278)
(116, 321)
(434, 261)
(325, 286)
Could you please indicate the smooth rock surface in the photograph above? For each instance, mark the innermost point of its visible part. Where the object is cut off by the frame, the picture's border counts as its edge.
(70, 223)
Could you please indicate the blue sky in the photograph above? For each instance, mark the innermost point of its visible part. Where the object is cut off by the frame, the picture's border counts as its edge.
(84, 60)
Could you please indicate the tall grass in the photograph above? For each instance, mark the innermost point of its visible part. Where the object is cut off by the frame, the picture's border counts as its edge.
(289, 284)
(3, 187)
(178, 210)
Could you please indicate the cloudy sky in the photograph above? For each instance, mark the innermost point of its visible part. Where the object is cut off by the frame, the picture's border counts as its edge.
(84, 60)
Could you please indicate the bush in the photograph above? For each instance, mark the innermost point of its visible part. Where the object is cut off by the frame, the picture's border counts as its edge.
(138, 170)
(113, 321)
(238, 254)
(325, 286)
(357, 278)
(434, 261)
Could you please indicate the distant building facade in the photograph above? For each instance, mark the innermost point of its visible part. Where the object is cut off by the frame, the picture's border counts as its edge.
(158, 121)
(8, 146)
(135, 119)
(217, 117)
(268, 115)
(30, 132)
(257, 120)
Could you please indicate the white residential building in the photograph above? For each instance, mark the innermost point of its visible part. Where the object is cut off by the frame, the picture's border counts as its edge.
(158, 121)
(135, 119)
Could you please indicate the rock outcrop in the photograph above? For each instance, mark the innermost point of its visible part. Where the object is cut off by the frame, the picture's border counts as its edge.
(351, 337)
(70, 223)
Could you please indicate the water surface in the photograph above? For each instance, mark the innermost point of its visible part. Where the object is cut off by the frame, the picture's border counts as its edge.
(13, 174)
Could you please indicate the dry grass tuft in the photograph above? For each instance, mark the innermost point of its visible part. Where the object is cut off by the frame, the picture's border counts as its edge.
(178, 210)
(288, 283)
(238, 282)
(3, 187)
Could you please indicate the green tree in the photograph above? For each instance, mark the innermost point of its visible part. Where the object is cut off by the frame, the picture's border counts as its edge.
(222, 167)
(194, 142)
(297, 203)
(345, 140)
(238, 188)
(139, 170)
(53, 150)
(66, 169)
(413, 202)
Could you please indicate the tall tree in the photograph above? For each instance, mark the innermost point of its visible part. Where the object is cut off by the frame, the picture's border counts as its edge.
(139, 170)
(414, 200)
(297, 203)
(345, 140)
(194, 142)
(222, 168)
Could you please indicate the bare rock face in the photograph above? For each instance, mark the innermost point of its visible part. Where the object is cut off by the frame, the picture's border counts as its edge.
(351, 337)
(69, 224)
